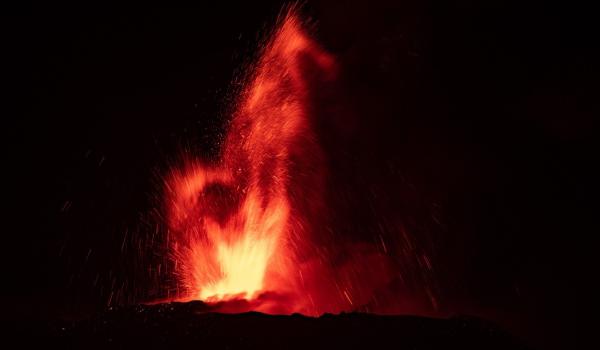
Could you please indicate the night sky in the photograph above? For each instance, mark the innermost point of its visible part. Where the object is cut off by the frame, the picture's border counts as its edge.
(470, 112)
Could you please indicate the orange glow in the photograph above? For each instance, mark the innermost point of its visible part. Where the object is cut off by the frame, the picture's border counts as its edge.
(242, 246)
(250, 231)
(244, 261)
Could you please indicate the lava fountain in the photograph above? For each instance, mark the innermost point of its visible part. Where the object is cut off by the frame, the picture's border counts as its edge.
(246, 231)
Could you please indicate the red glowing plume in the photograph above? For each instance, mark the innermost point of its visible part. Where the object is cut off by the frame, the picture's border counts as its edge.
(243, 231)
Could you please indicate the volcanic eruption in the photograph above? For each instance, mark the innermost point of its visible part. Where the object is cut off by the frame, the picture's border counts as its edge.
(249, 227)
(213, 176)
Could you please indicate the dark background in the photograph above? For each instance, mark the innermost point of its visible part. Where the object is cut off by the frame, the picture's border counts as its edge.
(476, 105)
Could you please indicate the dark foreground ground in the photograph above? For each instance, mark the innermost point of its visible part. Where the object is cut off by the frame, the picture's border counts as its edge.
(189, 325)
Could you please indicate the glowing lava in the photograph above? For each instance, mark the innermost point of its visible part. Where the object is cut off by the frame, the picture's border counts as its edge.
(254, 230)
(232, 235)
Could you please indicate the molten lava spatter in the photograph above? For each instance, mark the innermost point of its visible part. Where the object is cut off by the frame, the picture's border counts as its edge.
(232, 234)
(252, 230)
